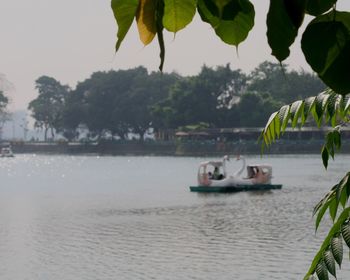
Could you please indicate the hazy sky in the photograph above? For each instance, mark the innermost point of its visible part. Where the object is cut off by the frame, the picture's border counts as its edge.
(70, 39)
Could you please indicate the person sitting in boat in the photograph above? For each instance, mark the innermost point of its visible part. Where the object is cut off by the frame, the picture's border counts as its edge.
(216, 174)
(259, 177)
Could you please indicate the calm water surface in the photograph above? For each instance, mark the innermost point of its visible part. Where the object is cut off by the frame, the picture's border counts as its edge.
(85, 217)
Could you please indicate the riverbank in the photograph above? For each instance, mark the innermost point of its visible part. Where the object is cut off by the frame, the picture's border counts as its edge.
(171, 148)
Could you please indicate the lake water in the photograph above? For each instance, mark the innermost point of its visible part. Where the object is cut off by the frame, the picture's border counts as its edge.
(87, 217)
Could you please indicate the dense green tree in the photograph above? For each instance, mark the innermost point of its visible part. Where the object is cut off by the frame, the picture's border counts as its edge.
(101, 96)
(47, 108)
(144, 93)
(201, 98)
(118, 102)
(4, 114)
(72, 115)
(254, 109)
(283, 85)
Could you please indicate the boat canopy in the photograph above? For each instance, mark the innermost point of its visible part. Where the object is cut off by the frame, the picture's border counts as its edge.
(212, 163)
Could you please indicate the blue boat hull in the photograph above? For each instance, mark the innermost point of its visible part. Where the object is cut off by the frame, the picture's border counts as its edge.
(237, 188)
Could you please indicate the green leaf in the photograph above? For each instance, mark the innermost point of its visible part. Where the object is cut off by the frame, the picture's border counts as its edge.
(277, 126)
(284, 115)
(295, 111)
(296, 11)
(342, 192)
(332, 105)
(337, 138)
(322, 210)
(333, 207)
(146, 20)
(343, 197)
(345, 231)
(309, 103)
(220, 4)
(330, 144)
(325, 156)
(124, 12)
(318, 7)
(319, 204)
(321, 270)
(335, 229)
(234, 23)
(270, 126)
(320, 102)
(326, 46)
(281, 28)
(330, 262)
(337, 249)
(178, 13)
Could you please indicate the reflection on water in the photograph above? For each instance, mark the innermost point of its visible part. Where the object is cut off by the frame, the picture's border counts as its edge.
(67, 217)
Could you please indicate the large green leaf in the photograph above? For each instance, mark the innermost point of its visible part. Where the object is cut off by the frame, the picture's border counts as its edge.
(178, 13)
(124, 12)
(283, 20)
(231, 22)
(318, 7)
(146, 20)
(296, 11)
(326, 46)
(220, 4)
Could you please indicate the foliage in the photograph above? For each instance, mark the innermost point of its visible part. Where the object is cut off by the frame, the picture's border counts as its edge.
(230, 19)
(330, 108)
(264, 102)
(285, 86)
(325, 41)
(326, 46)
(4, 114)
(117, 103)
(47, 108)
(327, 107)
(199, 98)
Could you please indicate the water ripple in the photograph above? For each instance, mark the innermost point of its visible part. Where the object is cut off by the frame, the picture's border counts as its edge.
(107, 227)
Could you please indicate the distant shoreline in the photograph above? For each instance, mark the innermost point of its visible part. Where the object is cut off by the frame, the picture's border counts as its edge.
(171, 148)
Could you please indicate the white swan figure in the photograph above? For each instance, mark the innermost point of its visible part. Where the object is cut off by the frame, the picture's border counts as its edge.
(224, 159)
(239, 172)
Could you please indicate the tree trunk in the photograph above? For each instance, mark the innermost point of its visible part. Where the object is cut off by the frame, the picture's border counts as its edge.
(142, 135)
(52, 133)
(45, 133)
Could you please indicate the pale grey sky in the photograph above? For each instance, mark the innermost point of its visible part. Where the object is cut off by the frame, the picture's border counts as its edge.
(71, 39)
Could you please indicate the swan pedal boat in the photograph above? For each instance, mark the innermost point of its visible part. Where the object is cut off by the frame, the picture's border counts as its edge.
(6, 152)
(258, 178)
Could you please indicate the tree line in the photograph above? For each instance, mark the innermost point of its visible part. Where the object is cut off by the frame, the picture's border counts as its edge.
(117, 103)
